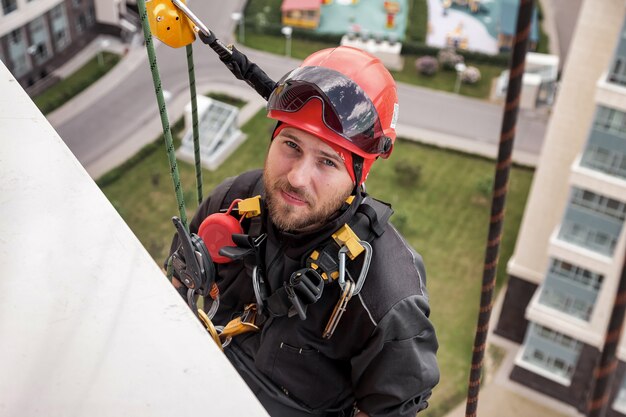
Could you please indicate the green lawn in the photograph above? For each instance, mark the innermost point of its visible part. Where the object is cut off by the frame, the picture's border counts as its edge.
(445, 80)
(442, 211)
(300, 49)
(55, 96)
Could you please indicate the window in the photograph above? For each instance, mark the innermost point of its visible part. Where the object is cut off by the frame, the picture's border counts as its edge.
(81, 23)
(17, 59)
(553, 352)
(9, 6)
(611, 162)
(40, 40)
(16, 36)
(593, 221)
(60, 27)
(610, 120)
(618, 72)
(598, 203)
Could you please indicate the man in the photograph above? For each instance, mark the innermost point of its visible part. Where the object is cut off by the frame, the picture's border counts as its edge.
(340, 297)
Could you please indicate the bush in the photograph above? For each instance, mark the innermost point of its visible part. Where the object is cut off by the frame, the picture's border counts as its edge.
(471, 75)
(427, 65)
(448, 58)
(484, 186)
(408, 173)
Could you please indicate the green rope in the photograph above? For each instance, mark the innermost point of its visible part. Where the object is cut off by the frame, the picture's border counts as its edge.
(194, 118)
(169, 269)
(167, 133)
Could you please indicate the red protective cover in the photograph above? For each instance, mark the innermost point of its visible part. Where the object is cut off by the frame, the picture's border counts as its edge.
(217, 231)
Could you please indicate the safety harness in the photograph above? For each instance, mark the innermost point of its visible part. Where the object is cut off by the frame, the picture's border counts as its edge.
(326, 265)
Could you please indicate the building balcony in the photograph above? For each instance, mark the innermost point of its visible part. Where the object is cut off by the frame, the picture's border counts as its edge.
(611, 91)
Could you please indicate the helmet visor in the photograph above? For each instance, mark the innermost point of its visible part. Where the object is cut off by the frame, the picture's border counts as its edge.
(347, 110)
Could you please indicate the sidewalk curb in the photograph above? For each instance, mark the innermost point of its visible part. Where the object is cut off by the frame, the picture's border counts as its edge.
(135, 57)
(469, 146)
(153, 128)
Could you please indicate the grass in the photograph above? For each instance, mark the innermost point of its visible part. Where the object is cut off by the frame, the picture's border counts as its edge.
(441, 208)
(224, 98)
(445, 80)
(300, 48)
(57, 95)
(445, 217)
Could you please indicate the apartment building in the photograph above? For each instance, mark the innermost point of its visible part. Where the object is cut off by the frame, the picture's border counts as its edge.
(36, 36)
(564, 272)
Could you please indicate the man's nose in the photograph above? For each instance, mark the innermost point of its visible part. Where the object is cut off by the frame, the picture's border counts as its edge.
(300, 173)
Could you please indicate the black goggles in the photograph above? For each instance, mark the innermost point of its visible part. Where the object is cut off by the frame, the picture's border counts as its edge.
(347, 110)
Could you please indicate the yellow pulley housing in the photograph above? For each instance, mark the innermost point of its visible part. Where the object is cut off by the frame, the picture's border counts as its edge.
(169, 24)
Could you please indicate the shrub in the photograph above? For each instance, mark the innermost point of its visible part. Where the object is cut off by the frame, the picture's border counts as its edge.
(448, 58)
(408, 173)
(484, 186)
(426, 65)
(471, 75)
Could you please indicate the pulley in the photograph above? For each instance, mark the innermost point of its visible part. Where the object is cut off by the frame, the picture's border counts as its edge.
(169, 24)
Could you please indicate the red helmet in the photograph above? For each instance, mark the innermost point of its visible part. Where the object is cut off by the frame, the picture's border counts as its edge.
(356, 107)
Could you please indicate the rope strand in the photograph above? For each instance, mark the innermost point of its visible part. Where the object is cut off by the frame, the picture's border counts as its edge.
(194, 119)
(167, 132)
(500, 188)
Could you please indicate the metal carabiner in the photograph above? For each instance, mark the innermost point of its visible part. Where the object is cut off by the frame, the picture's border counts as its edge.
(364, 269)
(342, 267)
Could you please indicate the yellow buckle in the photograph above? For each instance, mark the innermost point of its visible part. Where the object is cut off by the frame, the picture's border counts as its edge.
(250, 207)
(346, 237)
(168, 24)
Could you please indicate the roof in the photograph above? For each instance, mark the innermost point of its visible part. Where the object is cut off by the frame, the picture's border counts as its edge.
(300, 5)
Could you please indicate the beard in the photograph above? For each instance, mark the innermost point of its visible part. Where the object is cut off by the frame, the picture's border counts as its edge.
(290, 218)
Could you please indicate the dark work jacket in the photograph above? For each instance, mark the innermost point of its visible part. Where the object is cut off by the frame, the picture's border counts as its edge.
(381, 356)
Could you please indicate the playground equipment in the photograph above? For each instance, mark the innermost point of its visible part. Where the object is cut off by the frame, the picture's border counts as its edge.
(456, 38)
(473, 5)
(392, 8)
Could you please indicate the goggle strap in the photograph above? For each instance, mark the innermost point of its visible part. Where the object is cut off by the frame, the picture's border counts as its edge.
(357, 166)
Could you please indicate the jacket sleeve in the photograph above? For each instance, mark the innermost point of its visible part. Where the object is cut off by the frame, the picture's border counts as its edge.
(396, 372)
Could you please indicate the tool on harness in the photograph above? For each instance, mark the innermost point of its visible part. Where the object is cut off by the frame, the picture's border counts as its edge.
(217, 230)
(303, 288)
(340, 308)
(243, 324)
(349, 287)
(193, 266)
(246, 246)
(222, 336)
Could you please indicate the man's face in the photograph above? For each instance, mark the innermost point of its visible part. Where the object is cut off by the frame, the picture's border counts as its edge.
(305, 181)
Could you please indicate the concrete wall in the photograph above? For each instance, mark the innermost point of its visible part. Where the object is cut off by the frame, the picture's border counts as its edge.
(89, 324)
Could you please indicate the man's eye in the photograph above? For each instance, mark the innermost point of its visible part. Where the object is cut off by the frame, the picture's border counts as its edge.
(329, 163)
(291, 144)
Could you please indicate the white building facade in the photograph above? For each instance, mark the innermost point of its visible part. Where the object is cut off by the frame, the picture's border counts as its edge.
(36, 36)
(568, 258)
